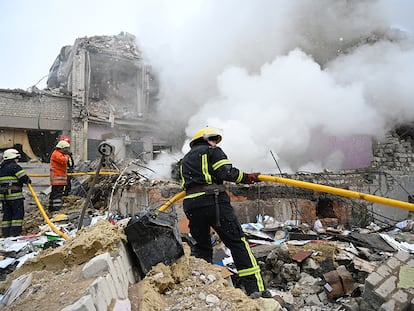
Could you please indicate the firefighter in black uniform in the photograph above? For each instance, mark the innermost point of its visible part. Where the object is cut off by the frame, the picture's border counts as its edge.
(206, 204)
(12, 178)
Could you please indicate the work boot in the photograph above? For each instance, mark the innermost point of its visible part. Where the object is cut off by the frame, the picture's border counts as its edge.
(264, 294)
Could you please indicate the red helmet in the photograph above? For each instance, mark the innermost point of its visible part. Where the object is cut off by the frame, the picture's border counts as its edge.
(65, 138)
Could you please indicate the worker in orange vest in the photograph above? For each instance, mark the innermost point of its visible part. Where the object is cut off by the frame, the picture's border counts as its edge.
(71, 165)
(58, 174)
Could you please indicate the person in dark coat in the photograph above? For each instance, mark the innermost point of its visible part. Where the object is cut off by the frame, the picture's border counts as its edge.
(206, 204)
(12, 178)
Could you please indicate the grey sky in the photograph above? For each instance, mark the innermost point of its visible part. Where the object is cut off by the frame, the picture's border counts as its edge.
(33, 31)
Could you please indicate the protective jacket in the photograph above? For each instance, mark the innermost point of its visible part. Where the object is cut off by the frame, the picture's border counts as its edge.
(206, 204)
(71, 163)
(205, 165)
(12, 178)
(58, 168)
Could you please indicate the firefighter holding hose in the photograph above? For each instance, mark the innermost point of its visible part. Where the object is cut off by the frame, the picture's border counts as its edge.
(206, 204)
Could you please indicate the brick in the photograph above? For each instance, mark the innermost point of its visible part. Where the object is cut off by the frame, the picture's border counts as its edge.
(346, 278)
(127, 263)
(351, 306)
(402, 256)
(393, 263)
(400, 296)
(410, 263)
(333, 288)
(388, 306)
(100, 293)
(386, 288)
(98, 265)
(384, 271)
(372, 281)
(122, 277)
(111, 286)
(83, 304)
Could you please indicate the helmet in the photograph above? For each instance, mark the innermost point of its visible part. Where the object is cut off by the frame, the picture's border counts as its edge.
(205, 133)
(11, 154)
(65, 138)
(62, 144)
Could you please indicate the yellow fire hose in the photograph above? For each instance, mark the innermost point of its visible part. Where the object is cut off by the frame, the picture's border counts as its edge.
(174, 199)
(338, 191)
(316, 187)
(77, 174)
(42, 211)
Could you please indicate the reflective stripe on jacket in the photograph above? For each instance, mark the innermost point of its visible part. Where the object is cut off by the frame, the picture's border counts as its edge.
(206, 165)
(58, 168)
(12, 178)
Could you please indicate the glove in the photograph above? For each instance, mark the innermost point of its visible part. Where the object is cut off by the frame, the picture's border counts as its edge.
(252, 178)
(29, 181)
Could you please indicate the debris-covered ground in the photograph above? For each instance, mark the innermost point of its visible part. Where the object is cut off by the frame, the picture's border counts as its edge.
(294, 270)
(305, 268)
(189, 283)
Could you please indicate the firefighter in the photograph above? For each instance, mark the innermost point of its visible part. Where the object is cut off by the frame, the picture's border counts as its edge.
(71, 165)
(58, 175)
(12, 178)
(206, 204)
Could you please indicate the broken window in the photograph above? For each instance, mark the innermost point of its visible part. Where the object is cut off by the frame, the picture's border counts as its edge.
(324, 208)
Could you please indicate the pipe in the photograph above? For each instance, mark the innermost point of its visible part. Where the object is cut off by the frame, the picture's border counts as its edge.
(316, 187)
(338, 191)
(42, 211)
(77, 174)
(89, 194)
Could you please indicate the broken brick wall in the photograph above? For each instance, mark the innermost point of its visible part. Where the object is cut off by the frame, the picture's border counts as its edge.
(281, 202)
(389, 176)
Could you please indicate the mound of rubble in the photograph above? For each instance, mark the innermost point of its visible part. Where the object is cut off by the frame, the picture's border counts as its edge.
(53, 279)
(321, 269)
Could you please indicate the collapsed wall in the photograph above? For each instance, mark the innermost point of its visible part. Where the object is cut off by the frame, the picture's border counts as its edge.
(389, 176)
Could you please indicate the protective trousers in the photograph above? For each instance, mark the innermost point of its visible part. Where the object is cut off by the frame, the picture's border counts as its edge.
(13, 214)
(55, 198)
(230, 232)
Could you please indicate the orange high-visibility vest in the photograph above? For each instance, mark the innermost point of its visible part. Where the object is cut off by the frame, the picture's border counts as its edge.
(59, 168)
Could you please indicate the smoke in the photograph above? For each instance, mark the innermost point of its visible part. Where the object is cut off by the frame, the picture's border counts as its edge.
(310, 81)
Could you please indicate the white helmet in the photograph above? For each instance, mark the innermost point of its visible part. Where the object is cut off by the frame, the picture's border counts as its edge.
(11, 154)
(62, 144)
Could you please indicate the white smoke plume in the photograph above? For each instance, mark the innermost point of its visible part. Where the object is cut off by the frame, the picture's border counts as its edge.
(311, 82)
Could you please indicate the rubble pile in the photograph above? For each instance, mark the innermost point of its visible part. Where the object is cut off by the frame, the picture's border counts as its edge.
(305, 266)
(341, 271)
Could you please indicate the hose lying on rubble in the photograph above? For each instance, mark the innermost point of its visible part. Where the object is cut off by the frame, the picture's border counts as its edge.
(42, 211)
(316, 187)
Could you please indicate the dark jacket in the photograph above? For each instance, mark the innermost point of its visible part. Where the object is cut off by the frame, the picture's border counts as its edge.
(12, 178)
(205, 165)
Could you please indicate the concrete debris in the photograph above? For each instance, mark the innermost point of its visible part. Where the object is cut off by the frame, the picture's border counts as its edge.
(305, 267)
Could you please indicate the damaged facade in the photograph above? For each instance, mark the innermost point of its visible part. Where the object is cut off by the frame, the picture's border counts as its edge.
(98, 89)
(390, 175)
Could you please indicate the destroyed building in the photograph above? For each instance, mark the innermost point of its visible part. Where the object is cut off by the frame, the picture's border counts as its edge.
(101, 89)
(98, 89)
